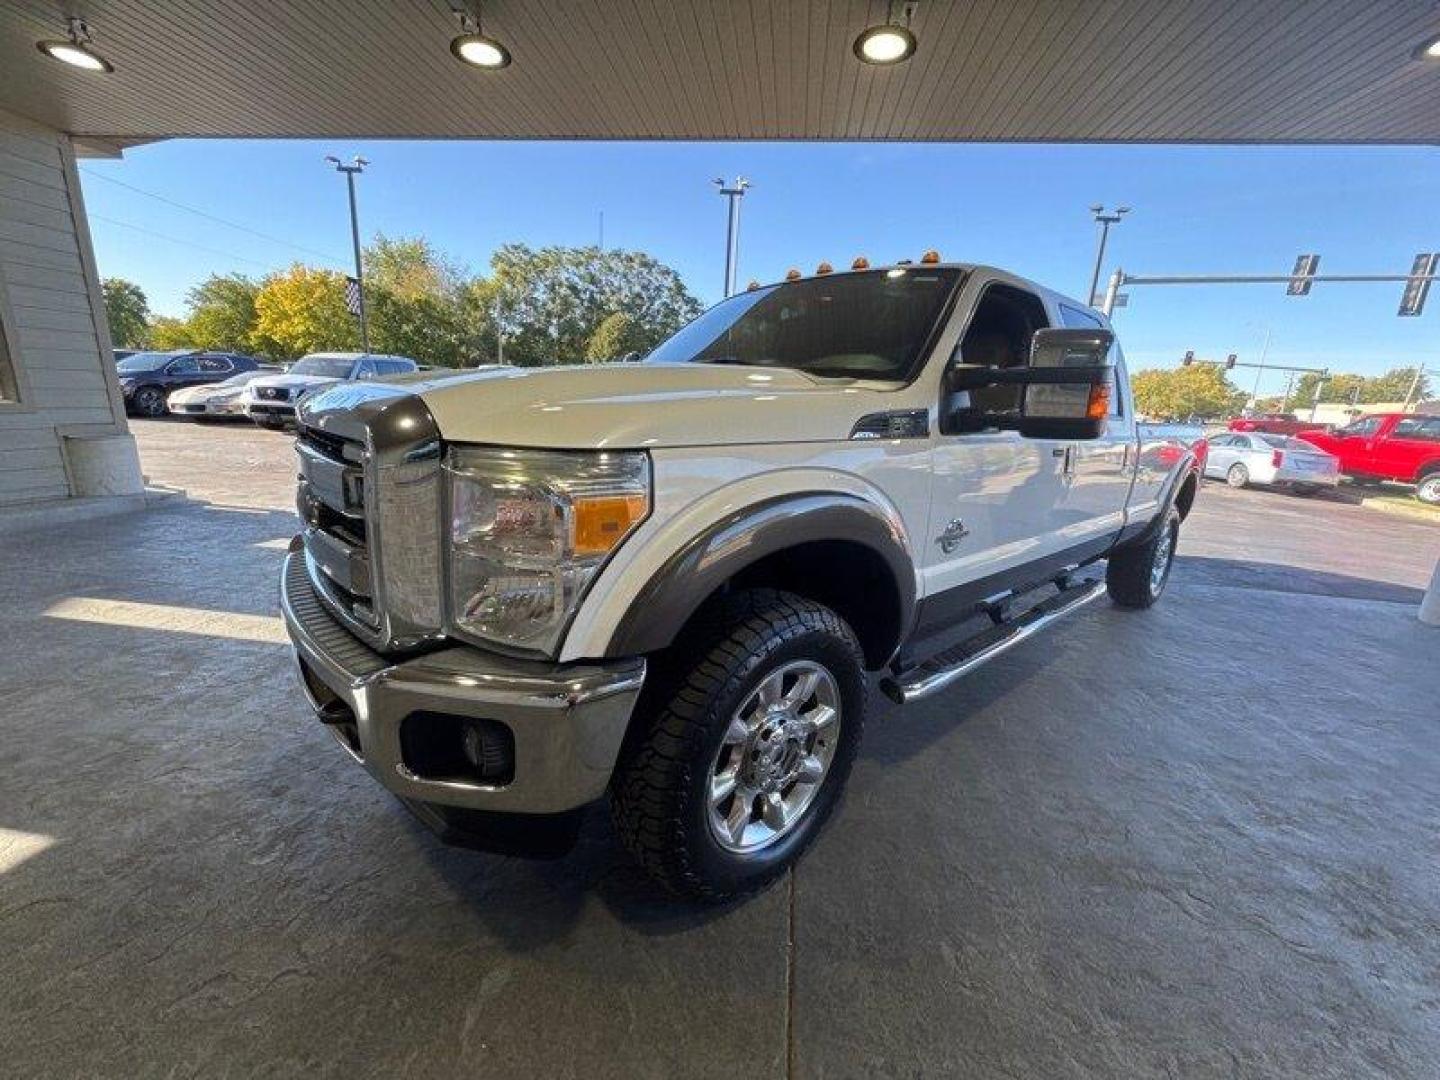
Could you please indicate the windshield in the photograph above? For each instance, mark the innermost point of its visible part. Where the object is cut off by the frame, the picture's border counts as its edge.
(331, 367)
(145, 361)
(858, 326)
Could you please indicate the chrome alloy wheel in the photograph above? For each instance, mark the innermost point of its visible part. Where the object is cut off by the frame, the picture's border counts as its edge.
(1160, 565)
(774, 756)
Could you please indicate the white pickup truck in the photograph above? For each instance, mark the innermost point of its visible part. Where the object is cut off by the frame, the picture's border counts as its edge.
(519, 590)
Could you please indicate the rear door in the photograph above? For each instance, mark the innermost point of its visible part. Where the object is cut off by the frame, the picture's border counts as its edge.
(1413, 441)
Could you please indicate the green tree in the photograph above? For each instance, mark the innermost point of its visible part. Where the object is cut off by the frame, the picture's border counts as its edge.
(1372, 389)
(414, 299)
(549, 303)
(303, 310)
(410, 269)
(167, 332)
(222, 313)
(425, 328)
(617, 335)
(1199, 390)
(128, 313)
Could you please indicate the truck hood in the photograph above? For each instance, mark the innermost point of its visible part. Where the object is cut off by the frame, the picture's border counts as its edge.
(619, 406)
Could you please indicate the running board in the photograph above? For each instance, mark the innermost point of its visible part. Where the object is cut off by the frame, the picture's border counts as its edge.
(960, 660)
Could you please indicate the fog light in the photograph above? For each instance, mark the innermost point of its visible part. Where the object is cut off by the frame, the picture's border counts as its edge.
(485, 750)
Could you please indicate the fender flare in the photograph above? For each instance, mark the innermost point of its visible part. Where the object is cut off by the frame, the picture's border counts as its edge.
(1189, 466)
(741, 539)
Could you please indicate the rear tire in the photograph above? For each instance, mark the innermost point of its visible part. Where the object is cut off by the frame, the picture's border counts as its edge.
(1428, 489)
(1136, 576)
(724, 715)
(1238, 476)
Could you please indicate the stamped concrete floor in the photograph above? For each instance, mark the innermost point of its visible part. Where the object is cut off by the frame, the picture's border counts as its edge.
(1197, 841)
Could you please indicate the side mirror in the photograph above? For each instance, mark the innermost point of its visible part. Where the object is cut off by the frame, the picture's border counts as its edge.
(1072, 378)
(1066, 387)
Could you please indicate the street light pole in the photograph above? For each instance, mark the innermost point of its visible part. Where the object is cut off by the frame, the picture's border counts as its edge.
(355, 166)
(734, 193)
(1105, 219)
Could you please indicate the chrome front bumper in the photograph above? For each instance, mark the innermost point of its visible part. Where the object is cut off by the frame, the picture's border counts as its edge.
(567, 720)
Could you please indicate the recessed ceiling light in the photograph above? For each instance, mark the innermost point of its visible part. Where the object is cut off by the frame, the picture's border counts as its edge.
(474, 48)
(890, 42)
(1430, 50)
(885, 45)
(76, 51)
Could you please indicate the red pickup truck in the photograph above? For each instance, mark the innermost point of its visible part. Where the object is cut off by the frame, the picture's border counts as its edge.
(1388, 446)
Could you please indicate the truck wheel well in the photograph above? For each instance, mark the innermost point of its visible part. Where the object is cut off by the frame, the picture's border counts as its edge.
(1186, 496)
(1427, 469)
(851, 579)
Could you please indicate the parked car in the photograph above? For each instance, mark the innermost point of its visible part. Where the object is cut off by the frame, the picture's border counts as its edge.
(147, 378)
(1273, 423)
(905, 470)
(220, 401)
(1244, 458)
(1403, 447)
(271, 401)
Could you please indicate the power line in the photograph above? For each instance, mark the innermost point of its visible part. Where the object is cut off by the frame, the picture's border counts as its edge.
(209, 216)
(177, 240)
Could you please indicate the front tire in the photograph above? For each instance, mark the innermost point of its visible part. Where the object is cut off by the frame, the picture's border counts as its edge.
(1136, 576)
(744, 756)
(1238, 476)
(1428, 489)
(150, 401)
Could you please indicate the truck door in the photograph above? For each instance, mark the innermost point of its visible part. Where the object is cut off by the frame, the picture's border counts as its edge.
(1099, 472)
(995, 510)
(1411, 441)
(1353, 445)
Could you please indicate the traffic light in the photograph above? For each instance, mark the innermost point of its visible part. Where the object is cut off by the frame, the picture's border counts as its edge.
(1189, 357)
(1230, 361)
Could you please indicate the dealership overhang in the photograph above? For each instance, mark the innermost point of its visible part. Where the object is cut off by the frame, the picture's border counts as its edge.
(1247, 71)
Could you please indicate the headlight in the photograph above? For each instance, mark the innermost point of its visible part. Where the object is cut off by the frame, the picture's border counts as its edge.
(529, 530)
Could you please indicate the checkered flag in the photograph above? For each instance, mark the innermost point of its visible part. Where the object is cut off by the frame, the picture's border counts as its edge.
(352, 295)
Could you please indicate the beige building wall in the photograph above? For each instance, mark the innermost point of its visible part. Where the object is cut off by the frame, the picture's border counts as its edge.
(62, 419)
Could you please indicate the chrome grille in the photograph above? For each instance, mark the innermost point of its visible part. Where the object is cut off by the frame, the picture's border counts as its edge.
(369, 495)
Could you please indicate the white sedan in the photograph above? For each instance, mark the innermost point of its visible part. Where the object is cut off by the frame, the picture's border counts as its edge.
(216, 401)
(1252, 457)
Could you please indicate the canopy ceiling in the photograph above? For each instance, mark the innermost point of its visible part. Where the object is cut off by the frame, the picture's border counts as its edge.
(1064, 70)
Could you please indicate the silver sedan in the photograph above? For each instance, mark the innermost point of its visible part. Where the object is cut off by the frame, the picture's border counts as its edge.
(1251, 457)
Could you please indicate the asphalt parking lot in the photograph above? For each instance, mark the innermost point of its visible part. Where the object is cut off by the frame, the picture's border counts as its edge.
(1195, 841)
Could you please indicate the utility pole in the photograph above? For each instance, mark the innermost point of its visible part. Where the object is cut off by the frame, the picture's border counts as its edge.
(350, 170)
(1105, 219)
(1289, 386)
(1414, 386)
(1255, 390)
(734, 193)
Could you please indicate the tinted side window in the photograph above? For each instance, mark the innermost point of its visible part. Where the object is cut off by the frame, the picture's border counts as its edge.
(214, 365)
(999, 336)
(1362, 428)
(1076, 319)
(1426, 430)
(186, 365)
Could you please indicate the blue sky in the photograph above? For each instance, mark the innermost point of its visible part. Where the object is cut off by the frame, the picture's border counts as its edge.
(1196, 210)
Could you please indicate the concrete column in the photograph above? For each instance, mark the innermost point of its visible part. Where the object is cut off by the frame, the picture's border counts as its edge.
(1430, 606)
